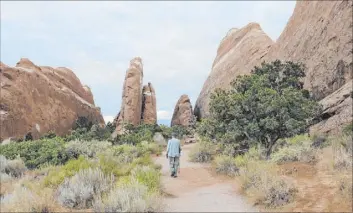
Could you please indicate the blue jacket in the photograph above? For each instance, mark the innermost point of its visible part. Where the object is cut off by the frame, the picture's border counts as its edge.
(173, 148)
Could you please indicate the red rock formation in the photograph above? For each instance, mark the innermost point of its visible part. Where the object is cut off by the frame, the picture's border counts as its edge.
(238, 53)
(183, 114)
(319, 34)
(38, 99)
(149, 108)
(131, 106)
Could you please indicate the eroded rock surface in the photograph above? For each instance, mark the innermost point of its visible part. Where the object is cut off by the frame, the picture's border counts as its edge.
(37, 99)
(238, 53)
(318, 34)
(183, 114)
(149, 108)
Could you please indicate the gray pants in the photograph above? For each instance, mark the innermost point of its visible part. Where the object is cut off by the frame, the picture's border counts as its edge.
(174, 165)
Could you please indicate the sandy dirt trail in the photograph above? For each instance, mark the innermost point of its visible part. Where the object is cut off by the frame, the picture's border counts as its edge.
(197, 190)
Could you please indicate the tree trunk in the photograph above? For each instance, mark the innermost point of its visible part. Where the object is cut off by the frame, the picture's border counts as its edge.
(269, 150)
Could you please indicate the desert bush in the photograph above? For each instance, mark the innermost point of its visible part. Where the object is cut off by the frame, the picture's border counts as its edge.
(319, 141)
(129, 198)
(80, 190)
(36, 153)
(150, 147)
(342, 152)
(86, 148)
(202, 152)
(24, 200)
(147, 176)
(118, 166)
(5, 177)
(57, 175)
(226, 165)
(260, 180)
(299, 151)
(14, 168)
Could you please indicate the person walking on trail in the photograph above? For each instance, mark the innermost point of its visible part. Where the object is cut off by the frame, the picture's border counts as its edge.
(173, 153)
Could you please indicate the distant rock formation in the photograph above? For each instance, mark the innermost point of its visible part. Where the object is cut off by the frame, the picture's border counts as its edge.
(149, 108)
(319, 34)
(239, 51)
(36, 99)
(138, 104)
(183, 114)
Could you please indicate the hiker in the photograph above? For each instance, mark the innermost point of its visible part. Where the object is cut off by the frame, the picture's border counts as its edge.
(173, 153)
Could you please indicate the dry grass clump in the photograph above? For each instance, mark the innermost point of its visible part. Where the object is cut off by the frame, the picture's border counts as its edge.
(226, 165)
(22, 199)
(202, 152)
(15, 168)
(80, 190)
(260, 181)
(129, 198)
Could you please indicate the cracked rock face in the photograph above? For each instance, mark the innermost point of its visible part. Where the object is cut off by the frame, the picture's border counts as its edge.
(131, 106)
(138, 102)
(36, 99)
(183, 113)
(238, 53)
(149, 108)
(318, 34)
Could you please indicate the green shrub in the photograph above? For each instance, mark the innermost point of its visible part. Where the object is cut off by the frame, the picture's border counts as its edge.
(80, 190)
(226, 165)
(129, 198)
(36, 153)
(148, 176)
(86, 148)
(110, 164)
(150, 147)
(298, 139)
(202, 152)
(303, 153)
(58, 174)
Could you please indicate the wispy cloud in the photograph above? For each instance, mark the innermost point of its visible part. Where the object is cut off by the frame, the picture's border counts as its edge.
(176, 40)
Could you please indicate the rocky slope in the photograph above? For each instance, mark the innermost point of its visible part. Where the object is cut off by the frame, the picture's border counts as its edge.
(319, 34)
(183, 114)
(138, 102)
(37, 99)
(238, 53)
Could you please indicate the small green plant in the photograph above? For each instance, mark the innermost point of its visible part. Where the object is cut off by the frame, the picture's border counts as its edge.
(148, 176)
(58, 174)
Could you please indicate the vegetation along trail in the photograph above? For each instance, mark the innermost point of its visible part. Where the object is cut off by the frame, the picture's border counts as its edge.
(197, 190)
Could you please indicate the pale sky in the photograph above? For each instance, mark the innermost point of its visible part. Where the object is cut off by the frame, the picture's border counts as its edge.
(177, 41)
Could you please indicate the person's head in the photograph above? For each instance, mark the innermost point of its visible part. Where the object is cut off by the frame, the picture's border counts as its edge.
(174, 135)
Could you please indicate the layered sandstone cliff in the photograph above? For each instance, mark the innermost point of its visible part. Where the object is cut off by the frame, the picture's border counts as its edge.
(238, 53)
(138, 103)
(183, 114)
(319, 34)
(37, 99)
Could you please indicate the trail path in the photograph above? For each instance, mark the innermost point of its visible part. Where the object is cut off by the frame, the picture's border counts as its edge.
(197, 190)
